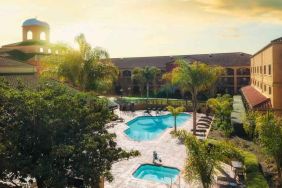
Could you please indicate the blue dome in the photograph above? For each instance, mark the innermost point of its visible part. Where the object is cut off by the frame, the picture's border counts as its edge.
(35, 22)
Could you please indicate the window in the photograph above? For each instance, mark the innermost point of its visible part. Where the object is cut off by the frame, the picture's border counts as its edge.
(269, 90)
(29, 35)
(42, 36)
(264, 89)
(126, 73)
(264, 69)
(49, 51)
(260, 69)
(56, 52)
(41, 50)
(269, 69)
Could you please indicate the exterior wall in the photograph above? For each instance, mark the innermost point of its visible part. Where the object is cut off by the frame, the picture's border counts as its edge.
(36, 31)
(277, 77)
(128, 86)
(231, 82)
(234, 78)
(266, 71)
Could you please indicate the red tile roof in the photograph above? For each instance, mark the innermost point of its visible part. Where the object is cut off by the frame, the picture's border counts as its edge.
(255, 99)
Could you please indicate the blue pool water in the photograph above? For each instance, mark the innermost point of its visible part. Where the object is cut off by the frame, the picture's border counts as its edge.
(149, 127)
(159, 174)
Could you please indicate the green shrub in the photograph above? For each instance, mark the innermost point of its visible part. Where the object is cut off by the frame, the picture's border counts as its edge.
(255, 178)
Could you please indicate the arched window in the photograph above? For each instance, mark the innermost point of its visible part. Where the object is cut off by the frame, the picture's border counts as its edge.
(57, 52)
(41, 50)
(49, 51)
(126, 73)
(42, 36)
(29, 35)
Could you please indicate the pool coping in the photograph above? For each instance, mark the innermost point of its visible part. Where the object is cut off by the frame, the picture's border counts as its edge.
(158, 137)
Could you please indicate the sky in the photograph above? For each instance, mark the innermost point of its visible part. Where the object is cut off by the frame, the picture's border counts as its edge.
(128, 28)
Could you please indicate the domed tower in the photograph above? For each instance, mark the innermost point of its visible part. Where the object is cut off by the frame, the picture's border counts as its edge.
(34, 29)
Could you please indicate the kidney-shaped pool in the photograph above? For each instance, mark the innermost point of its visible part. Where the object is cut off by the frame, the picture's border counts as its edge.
(149, 127)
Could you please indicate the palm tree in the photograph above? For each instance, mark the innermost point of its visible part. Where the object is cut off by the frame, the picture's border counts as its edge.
(168, 85)
(175, 112)
(195, 77)
(222, 107)
(137, 76)
(146, 76)
(202, 159)
(89, 69)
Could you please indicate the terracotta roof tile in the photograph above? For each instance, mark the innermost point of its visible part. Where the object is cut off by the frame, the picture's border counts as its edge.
(254, 98)
(222, 59)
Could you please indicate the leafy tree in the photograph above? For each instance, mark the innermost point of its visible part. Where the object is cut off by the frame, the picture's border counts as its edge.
(87, 68)
(54, 133)
(195, 77)
(168, 85)
(270, 137)
(145, 76)
(137, 76)
(222, 107)
(249, 124)
(202, 159)
(175, 112)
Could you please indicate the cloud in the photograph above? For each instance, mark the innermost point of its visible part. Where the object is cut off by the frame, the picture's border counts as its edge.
(254, 9)
(230, 33)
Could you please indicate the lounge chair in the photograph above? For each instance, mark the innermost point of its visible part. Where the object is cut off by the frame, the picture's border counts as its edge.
(203, 124)
(200, 130)
(120, 120)
(204, 120)
(111, 125)
(206, 117)
(223, 181)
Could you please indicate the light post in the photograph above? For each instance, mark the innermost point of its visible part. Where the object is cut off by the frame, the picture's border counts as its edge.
(129, 91)
(121, 92)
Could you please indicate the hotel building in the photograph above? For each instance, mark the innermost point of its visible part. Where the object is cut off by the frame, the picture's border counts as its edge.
(266, 78)
(237, 66)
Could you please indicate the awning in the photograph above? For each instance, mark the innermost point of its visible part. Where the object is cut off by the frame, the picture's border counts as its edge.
(254, 99)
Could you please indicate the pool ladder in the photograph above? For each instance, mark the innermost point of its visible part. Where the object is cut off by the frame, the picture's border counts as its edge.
(177, 183)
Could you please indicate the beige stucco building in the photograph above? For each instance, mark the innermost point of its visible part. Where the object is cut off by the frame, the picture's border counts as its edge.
(236, 64)
(266, 78)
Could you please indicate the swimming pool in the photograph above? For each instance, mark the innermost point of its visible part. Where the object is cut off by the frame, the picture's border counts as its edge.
(155, 173)
(149, 127)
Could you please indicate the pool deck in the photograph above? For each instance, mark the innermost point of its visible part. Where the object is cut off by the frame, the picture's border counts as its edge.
(170, 151)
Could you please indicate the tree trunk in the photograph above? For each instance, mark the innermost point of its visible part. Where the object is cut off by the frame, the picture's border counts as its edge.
(194, 104)
(279, 173)
(167, 97)
(175, 123)
(147, 87)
